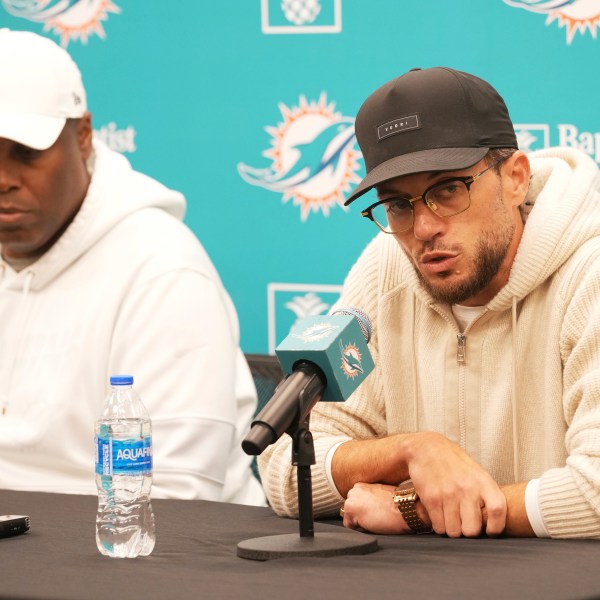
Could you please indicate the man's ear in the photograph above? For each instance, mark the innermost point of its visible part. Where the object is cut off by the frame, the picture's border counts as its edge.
(516, 173)
(84, 135)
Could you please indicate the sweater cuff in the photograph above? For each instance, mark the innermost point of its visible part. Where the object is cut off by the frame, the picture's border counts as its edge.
(328, 460)
(326, 498)
(563, 505)
(532, 506)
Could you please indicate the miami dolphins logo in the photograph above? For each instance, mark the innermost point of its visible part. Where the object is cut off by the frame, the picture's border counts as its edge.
(316, 332)
(351, 360)
(71, 19)
(574, 15)
(313, 157)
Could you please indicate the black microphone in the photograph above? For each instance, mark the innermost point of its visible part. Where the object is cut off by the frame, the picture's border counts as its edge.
(327, 358)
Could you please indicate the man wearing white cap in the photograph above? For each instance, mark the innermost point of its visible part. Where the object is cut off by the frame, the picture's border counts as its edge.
(99, 276)
(483, 287)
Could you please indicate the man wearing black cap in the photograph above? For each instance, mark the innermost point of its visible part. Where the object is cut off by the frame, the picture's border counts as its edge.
(483, 412)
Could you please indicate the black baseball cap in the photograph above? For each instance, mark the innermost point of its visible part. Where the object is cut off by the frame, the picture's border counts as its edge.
(435, 119)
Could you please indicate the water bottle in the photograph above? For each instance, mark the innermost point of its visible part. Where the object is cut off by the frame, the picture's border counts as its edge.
(125, 521)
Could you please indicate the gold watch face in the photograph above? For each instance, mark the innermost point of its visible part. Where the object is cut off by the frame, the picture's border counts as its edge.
(406, 486)
(405, 491)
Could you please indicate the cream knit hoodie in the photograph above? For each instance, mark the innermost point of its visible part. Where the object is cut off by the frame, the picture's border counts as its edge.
(525, 401)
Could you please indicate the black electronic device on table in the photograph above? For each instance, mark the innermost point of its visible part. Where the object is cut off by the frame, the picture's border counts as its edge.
(13, 525)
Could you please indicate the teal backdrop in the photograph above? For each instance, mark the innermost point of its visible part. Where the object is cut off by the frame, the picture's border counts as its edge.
(247, 107)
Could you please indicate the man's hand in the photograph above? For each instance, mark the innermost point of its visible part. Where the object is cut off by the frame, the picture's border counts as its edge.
(455, 491)
(371, 507)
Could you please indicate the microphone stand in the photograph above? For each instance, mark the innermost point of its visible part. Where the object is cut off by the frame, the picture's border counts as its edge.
(303, 456)
(330, 540)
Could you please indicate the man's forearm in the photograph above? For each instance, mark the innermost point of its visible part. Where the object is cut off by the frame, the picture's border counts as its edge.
(387, 459)
(378, 460)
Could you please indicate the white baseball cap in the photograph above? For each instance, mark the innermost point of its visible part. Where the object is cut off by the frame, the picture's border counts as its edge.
(40, 88)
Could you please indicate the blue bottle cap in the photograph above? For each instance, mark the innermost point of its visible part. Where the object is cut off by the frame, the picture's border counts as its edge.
(121, 380)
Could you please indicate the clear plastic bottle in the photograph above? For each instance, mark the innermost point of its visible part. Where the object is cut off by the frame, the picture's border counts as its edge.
(125, 521)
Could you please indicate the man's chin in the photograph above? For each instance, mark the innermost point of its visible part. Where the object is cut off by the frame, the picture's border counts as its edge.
(446, 287)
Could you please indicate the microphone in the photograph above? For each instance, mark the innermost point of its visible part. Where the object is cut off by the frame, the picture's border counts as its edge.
(327, 358)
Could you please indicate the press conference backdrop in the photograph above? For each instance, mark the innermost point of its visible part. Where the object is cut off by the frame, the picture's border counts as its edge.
(236, 102)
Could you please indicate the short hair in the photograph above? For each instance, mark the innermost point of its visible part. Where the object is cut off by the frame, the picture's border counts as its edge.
(495, 154)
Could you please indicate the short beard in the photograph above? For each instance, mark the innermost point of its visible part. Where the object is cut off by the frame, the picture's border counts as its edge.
(491, 250)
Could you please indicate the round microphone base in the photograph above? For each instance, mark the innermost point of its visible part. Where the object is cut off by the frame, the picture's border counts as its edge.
(334, 543)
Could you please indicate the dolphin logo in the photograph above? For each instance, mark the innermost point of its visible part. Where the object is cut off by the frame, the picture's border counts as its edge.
(316, 332)
(351, 364)
(574, 15)
(315, 156)
(540, 6)
(38, 10)
(71, 19)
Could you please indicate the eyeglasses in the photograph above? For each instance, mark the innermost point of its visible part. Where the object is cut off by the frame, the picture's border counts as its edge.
(445, 199)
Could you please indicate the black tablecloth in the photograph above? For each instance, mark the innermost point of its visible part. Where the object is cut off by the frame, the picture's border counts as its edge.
(196, 557)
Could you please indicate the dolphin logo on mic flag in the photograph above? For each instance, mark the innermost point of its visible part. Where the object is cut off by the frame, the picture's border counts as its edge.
(351, 360)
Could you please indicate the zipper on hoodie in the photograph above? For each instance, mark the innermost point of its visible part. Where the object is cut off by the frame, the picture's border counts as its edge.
(461, 338)
(461, 352)
(461, 359)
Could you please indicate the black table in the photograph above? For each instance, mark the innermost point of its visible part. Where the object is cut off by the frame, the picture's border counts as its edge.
(196, 557)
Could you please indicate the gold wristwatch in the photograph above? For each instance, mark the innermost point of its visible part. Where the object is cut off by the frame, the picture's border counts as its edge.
(405, 498)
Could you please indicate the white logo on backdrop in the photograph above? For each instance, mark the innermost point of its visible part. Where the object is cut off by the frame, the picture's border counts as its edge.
(313, 160)
(532, 136)
(70, 19)
(301, 16)
(302, 300)
(571, 137)
(309, 305)
(120, 140)
(537, 136)
(577, 16)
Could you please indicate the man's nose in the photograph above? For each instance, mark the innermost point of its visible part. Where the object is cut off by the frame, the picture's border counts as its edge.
(426, 223)
(8, 178)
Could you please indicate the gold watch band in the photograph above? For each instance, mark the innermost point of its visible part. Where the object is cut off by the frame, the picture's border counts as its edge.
(405, 498)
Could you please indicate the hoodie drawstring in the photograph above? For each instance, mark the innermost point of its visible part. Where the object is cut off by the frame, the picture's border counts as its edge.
(415, 385)
(514, 392)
